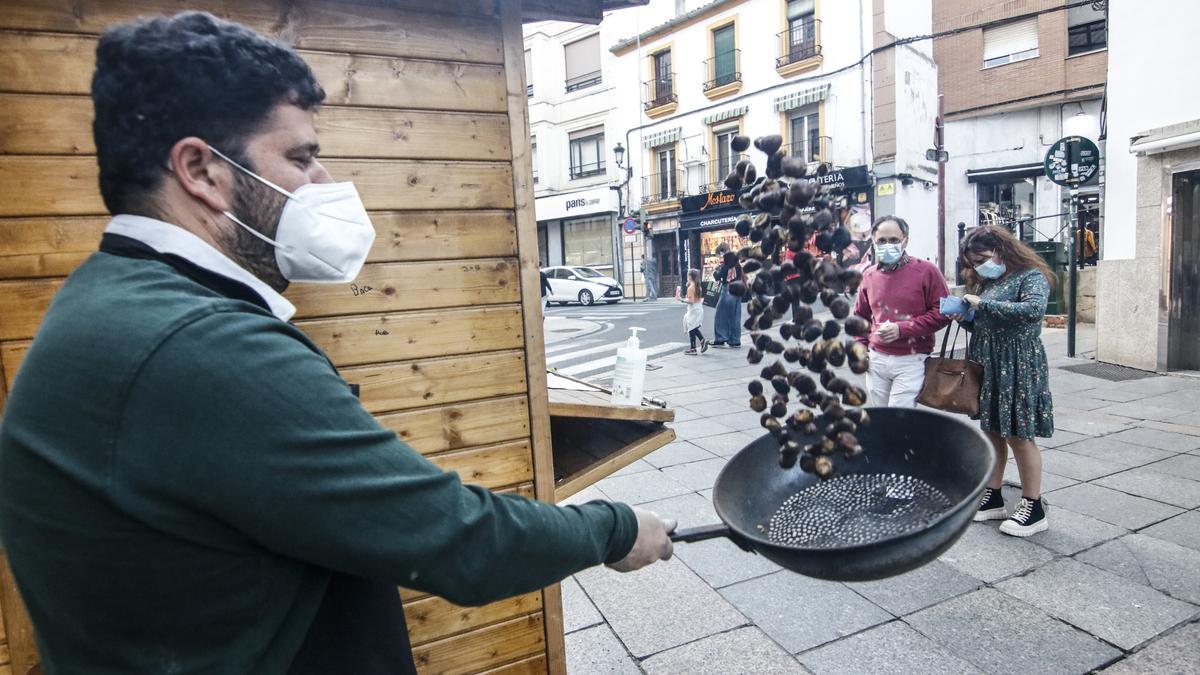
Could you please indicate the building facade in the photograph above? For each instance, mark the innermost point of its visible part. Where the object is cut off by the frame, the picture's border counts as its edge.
(1016, 77)
(1148, 291)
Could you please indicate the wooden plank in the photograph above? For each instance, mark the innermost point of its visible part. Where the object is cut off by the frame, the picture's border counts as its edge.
(22, 648)
(491, 467)
(23, 304)
(516, 104)
(372, 19)
(54, 124)
(462, 425)
(11, 354)
(46, 186)
(613, 463)
(63, 64)
(395, 287)
(352, 341)
(587, 404)
(525, 491)
(411, 235)
(401, 386)
(482, 649)
(433, 618)
(534, 665)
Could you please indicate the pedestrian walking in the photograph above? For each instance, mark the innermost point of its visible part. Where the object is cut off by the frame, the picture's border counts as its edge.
(546, 289)
(900, 296)
(727, 326)
(188, 483)
(1009, 284)
(693, 316)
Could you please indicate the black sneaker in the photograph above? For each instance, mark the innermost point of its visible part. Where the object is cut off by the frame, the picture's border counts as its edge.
(991, 506)
(1028, 518)
(703, 345)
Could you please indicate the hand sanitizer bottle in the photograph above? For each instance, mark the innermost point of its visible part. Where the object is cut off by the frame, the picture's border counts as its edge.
(629, 377)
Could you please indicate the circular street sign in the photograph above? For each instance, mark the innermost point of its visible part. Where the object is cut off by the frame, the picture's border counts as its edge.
(630, 226)
(1072, 161)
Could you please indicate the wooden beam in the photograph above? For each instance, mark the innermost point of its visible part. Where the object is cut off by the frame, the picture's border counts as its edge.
(432, 618)
(461, 425)
(428, 382)
(482, 649)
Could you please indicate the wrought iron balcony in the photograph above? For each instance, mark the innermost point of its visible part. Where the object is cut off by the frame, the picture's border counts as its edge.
(724, 68)
(712, 174)
(587, 169)
(663, 187)
(660, 91)
(583, 81)
(798, 42)
(812, 149)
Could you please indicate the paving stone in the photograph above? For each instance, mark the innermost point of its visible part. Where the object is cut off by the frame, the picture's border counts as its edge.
(697, 475)
(739, 651)
(1183, 466)
(1000, 634)
(1162, 487)
(1115, 394)
(1161, 385)
(688, 510)
(685, 414)
(596, 651)
(1060, 438)
(728, 445)
(1091, 424)
(747, 421)
(1183, 529)
(638, 488)
(578, 610)
(986, 554)
(927, 585)
(721, 563)
(1168, 567)
(1174, 654)
(1174, 427)
(1101, 603)
(1064, 382)
(1080, 401)
(1184, 400)
(685, 431)
(639, 466)
(1078, 467)
(1050, 481)
(1111, 506)
(891, 648)
(1141, 411)
(689, 398)
(590, 493)
(658, 607)
(1072, 532)
(1118, 452)
(679, 452)
(1153, 438)
(799, 612)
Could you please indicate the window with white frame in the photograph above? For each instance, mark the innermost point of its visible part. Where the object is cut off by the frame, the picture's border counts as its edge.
(587, 152)
(1087, 29)
(533, 158)
(664, 186)
(802, 33)
(804, 129)
(583, 62)
(1010, 42)
(726, 157)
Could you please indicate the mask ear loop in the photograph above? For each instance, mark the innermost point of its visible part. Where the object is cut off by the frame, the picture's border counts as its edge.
(253, 175)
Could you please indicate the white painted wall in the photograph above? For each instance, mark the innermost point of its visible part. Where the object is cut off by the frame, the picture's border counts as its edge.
(1151, 47)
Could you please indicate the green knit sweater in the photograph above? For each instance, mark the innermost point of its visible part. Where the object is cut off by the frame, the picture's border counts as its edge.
(181, 473)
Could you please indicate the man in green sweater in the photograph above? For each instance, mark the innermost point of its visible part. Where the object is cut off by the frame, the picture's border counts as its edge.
(186, 483)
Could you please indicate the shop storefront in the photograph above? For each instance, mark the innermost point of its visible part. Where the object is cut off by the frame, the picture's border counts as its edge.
(707, 221)
(579, 228)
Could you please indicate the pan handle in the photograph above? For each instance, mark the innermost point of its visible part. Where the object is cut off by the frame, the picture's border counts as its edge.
(704, 532)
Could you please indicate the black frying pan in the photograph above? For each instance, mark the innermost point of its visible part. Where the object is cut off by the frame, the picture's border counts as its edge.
(947, 452)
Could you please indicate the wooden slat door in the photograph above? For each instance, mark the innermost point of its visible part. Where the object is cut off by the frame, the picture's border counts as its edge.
(442, 330)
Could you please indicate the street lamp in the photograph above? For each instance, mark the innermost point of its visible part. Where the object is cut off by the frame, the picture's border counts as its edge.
(619, 153)
(619, 156)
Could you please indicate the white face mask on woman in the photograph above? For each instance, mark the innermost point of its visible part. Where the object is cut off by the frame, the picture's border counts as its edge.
(990, 269)
(324, 232)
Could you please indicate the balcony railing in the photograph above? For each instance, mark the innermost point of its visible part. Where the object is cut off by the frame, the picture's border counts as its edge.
(812, 149)
(662, 187)
(712, 174)
(798, 42)
(588, 169)
(724, 68)
(660, 91)
(529, 90)
(583, 81)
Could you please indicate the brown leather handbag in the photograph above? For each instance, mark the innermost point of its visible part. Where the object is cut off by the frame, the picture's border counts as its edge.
(952, 384)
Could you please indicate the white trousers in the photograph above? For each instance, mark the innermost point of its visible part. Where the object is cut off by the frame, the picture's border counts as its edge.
(895, 380)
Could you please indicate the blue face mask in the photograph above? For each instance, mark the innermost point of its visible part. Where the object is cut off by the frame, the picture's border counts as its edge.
(990, 269)
(888, 254)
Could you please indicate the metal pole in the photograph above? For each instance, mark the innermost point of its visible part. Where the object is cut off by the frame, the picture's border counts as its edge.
(632, 268)
(1074, 274)
(962, 231)
(940, 143)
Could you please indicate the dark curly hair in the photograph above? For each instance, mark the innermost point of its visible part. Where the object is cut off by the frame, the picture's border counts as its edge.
(161, 79)
(1016, 254)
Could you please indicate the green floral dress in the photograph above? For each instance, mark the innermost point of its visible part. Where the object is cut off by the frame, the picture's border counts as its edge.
(1014, 400)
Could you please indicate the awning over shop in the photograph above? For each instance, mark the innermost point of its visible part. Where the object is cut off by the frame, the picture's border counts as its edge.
(801, 98)
(1004, 174)
(726, 115)
(662, 137)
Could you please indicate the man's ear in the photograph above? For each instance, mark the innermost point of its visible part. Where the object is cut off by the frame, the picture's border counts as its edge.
(202, 174)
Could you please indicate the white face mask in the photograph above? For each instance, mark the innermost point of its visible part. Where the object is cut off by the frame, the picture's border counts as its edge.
(324, 232)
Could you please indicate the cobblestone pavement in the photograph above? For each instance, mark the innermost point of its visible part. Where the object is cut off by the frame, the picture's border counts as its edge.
(1113, 585)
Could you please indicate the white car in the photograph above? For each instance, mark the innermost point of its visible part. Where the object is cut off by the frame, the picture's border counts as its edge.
(581, 284)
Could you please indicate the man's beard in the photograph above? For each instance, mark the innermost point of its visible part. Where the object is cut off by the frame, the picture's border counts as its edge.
(258, 207)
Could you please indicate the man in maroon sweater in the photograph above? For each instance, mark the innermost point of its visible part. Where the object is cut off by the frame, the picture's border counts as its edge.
(899, 295)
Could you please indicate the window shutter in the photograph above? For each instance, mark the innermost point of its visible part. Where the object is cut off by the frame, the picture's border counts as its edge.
(1010, 38)
(583, 57)
(797, 9)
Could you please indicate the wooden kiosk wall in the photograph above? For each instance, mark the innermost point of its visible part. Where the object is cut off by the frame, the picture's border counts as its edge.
(426, 113)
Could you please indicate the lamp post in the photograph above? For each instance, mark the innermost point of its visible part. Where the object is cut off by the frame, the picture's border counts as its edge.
(619, 156)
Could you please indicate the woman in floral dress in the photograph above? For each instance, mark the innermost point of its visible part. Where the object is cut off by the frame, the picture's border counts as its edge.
(1008, 286)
